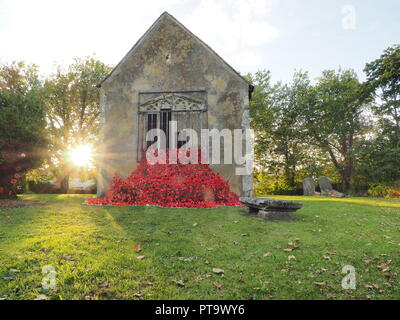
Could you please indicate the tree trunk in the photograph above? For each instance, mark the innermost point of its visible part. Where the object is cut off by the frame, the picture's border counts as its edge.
(64, 177)
(64, 184)
(290, 176)
(346, 178)
(289, 173)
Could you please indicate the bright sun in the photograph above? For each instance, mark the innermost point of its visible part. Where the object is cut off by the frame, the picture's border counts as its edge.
(81, 155)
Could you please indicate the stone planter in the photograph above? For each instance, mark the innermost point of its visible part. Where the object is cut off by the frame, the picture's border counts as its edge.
(271, 209)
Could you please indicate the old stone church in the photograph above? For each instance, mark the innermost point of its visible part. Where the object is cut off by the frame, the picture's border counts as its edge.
(169, 74)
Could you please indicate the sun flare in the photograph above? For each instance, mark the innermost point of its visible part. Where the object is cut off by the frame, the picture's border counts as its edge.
(82, 155)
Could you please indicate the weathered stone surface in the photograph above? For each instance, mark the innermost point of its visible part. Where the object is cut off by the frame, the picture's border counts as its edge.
(309, 187)
(271, 209)
(262, 203)
(327, 189)
(325, 185)
(275, 215)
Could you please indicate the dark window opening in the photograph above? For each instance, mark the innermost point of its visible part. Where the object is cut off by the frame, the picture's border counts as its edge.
(166, 117)
(181, 143)
(151, 124)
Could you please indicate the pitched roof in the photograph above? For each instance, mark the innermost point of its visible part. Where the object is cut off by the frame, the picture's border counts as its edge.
(166, 14)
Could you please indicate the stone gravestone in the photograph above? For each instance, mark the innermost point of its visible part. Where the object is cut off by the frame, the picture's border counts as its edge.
(309, 187)
(327, 189)
(325, 185)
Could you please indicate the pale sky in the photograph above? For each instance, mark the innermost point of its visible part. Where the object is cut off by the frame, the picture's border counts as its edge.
(279, 35)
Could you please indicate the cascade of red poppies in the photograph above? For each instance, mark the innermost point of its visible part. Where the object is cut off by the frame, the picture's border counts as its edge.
(170, 185)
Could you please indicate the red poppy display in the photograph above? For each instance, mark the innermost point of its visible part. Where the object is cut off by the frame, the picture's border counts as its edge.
(170, 185)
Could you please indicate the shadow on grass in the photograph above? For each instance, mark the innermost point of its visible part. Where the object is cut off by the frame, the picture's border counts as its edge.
(374, 202)
(92, 249)
(181, 244)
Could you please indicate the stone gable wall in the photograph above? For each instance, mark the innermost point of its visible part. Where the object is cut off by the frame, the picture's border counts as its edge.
(167, 58)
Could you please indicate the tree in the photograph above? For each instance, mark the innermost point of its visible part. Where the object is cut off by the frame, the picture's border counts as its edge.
(379, 160)
(383, 79)
(378, 163)
(280, 148)
(22, 124)
(333, 114)
(72, 110)
(260, 112)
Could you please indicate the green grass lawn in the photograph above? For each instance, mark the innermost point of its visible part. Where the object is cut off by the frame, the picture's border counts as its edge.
(92, 251)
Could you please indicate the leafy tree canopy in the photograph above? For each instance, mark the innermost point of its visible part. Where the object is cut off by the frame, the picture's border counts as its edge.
(22, 123)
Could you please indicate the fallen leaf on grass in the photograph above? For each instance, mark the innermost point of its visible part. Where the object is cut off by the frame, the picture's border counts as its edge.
(320, 284)
(292, 258)
(41, 297)
(288, 250)
(137, 247)
(185, 259)
(218, 271)
(326, 257)
(267, 254)
(69, 258)
(295, 243)
(384, 267)
(218, 285)
(371, 286)
(140, 257)
(14, 270)
(179, 283)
